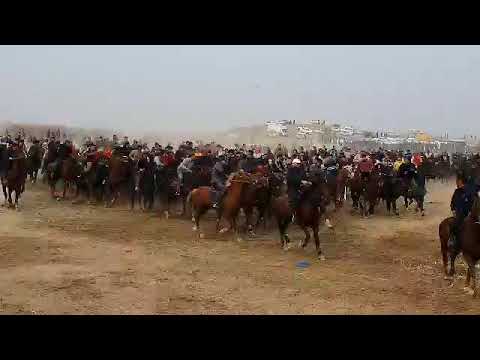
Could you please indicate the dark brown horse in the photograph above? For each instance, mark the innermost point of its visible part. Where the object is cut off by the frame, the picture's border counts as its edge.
(70, 170)
(308, 215)
(201, 200)
(256, 195)
(469, 237)
(34, 162)
(365, 192)
(15, 180)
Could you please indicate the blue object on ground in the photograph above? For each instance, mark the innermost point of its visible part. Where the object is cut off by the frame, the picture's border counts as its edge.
(303, 264)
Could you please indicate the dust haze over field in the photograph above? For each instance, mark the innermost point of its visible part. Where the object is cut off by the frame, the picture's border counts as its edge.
(216, 88)
(59, 258)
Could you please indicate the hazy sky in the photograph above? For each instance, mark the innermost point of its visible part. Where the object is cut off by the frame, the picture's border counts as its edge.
(218, 87)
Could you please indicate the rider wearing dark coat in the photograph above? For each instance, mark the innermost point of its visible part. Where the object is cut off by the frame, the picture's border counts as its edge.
(249, 164)
(407, 170)
(461, 205)
(295, 176)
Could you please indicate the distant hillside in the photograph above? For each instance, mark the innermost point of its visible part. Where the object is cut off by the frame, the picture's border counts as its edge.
(241, 135)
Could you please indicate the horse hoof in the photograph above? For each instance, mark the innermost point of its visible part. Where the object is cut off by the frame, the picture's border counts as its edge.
(329, 225)
(239, 239)
(224, 230)
(285, 247)
(166, 213)
(321, 258)
(58, 199)
(469, 291)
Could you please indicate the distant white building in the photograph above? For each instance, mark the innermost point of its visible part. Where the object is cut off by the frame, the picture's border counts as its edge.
(275, 129)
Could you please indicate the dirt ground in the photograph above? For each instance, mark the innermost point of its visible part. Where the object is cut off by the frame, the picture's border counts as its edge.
(60, 258)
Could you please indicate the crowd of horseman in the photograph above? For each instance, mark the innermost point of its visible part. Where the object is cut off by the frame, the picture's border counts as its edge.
(176, 172)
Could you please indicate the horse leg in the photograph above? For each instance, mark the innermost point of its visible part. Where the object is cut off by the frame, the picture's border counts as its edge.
(444, 251)
(233, 224)
(476, 279)
(389, 205)
(133, 195)
(304, 243)
(65, 184)
(282, 228)
(317, 243)
(248, 218)
(167, 204)
(371, 209)
(5, 195)
(17, 196)
(197, 215)
(453, 257)
(394, 205)
(420, 203)
(470, 272)
(10, 196)
(114, 194)
(90, 192)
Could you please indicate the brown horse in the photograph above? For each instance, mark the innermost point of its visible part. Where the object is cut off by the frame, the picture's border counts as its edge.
(308, 215)
(256, 195)
(469, 237)
(15, 180)
(120, 174)
(70, 170)
(365, 192)
(200, 201)
(343, 179)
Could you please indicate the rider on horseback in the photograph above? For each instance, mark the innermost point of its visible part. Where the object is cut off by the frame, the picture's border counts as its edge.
(365, 166)
(62, 151)
(407, 171)
(184, 168)
(90, 156)
(295, 177)
(461, 204)
(219, 178)
(250, 163)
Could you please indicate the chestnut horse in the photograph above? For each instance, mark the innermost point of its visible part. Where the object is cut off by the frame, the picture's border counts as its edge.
(200, 201)
(120, 174)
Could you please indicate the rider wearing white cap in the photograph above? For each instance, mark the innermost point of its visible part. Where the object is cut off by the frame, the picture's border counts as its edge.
(295, 176)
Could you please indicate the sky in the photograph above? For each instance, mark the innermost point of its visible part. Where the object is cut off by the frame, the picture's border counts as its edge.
(208, 88)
